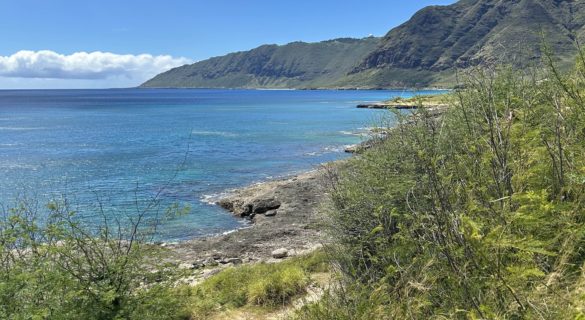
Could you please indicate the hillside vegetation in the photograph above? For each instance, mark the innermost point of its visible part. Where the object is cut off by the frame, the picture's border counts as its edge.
(424, 51)
(477, 214)
(297, 64)
(472, 32)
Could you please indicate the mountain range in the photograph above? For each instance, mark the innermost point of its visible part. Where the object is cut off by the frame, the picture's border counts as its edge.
(424, 51)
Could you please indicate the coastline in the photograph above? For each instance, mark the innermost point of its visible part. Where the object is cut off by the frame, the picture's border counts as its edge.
(284, 216)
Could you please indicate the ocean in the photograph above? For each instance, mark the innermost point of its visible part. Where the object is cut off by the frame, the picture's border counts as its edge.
(121, 150)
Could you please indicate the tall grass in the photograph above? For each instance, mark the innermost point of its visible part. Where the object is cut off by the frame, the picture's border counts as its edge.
(475, 214)
(263, 285)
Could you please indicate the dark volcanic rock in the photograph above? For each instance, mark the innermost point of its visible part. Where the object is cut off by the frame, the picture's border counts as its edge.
(294, 227)
(264, 205)
(244, 210)
(210, 262)
(232, 261)
(226, 204)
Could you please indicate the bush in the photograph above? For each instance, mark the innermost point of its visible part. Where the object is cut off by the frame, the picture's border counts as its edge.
(474, 214)
(53, 267)
(277, 288)
(267, 285)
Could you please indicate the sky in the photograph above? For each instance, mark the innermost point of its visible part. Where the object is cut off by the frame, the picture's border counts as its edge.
(122, 43)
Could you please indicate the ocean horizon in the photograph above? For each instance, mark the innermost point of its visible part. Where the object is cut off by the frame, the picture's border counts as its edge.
(126, 147)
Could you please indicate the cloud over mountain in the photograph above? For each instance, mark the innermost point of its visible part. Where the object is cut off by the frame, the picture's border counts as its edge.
(46, 64)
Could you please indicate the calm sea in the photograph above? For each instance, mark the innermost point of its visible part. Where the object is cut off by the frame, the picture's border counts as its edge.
(122, 148)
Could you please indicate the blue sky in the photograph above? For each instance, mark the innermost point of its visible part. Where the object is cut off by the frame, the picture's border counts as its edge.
(168, 33)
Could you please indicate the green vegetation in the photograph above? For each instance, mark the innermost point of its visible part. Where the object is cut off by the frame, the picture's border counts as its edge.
(265, 285)
(472, 32)
(476, 214)
(423, 52)
(421, 100)
(57, 268)
(295, 65)
(53, 267)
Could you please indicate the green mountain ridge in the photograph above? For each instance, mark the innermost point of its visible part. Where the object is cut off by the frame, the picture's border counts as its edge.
(424, 51)
(294, 65)
(473, 32)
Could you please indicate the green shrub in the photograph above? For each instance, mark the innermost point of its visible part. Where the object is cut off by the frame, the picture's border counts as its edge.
(264, 285)
(475, 214)
(276, 288)
(59, 269)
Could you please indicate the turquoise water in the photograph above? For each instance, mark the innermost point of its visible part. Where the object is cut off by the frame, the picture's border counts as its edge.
(122, 148)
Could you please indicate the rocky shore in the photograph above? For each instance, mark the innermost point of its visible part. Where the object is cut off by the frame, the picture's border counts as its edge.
(284, 222)
(283, 214)
(381, 105)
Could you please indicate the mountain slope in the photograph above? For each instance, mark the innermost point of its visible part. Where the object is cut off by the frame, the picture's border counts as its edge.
(424, 51)
(472, 32)
(297, 64)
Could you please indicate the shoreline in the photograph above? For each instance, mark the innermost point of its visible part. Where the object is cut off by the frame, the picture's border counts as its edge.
(297, 89)
(282, 213)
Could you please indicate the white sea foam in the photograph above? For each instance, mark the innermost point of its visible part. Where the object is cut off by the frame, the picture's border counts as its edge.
(213, 198)
(20, 128)
(354, 133)
(334, 148)
(208, 198)
(13, 166)
(214, 133)
(245, 225)
(369, 129)
(325, 150)
(230, 231)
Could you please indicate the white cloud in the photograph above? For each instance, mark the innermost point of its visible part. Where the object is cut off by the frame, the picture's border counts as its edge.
(97, 66)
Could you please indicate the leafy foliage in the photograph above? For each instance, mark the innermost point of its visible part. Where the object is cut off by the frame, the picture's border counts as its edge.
(56, 268)
(475, 214)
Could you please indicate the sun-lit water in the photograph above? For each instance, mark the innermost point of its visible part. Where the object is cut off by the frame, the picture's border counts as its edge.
(123, 147)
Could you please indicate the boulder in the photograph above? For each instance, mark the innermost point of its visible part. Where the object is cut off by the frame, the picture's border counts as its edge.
(263, 205)
(231, 260)
(352, 149)
(235, 261)
(244, 210)
(226, 204)
(279, 253)
(210, 262)
(271, 213)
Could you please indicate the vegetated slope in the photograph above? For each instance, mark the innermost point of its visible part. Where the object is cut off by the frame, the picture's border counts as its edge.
(424, 51)
(294, 65)
(438, 39)
(476, 214)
